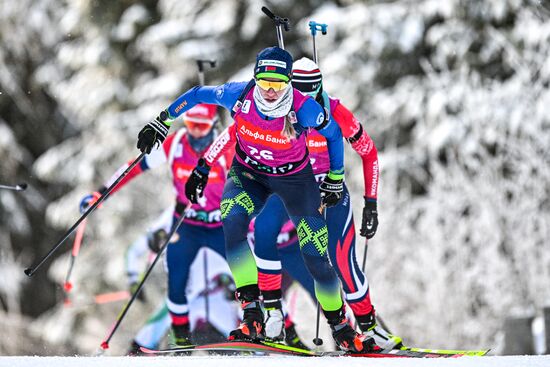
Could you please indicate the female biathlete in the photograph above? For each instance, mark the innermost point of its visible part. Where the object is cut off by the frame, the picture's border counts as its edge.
(271, 121)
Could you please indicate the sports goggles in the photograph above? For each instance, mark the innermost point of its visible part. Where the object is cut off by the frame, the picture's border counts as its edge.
(269, 84)
(202, 126)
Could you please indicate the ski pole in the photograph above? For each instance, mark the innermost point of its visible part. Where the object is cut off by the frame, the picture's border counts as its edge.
(68, 286)
(105, 343)
(318, 341)
(76, 248)
(206, 294)
(200, 65)
(280, 24)
(314, 27)
(19, 187)
(30, 271)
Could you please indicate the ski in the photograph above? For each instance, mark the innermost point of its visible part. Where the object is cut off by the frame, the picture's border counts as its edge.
(236, 346)
(266, 347)
(466, 352)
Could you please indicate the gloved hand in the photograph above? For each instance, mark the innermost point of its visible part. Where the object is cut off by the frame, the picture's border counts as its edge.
(89, 200)
(369, 221)
(141, 296)
(226, 282)
(196, 183)
(154, 133)
(156, 239)
(331, 190)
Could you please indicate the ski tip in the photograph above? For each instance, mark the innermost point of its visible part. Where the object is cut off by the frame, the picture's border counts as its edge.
(146, 350)
(68, 286)
(104, 345)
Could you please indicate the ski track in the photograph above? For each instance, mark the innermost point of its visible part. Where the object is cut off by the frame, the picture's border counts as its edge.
(273, 361)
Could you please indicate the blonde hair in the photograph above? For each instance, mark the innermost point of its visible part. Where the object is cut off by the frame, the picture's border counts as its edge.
(288, 130)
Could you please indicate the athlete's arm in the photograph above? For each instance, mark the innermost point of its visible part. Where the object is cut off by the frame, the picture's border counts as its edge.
(224, 95)
(312, 115)
(154, 159)
(221, 145)
(362, 143)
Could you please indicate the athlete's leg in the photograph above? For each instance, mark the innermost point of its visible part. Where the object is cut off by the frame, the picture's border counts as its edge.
(341, 231)
(179, 257)
(244, 195)
(300, 195)
(341, 249)
(267, 227)
(293, 264)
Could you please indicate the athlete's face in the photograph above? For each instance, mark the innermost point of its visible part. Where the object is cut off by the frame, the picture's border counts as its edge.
(271, 89)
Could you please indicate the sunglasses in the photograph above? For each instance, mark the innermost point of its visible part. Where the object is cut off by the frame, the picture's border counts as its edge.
(202, 126)
(268, 84)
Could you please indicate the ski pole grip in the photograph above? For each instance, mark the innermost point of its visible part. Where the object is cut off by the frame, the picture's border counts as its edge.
(314, 27)
(279, 21)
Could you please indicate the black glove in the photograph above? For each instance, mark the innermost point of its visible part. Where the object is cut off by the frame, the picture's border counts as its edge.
(156, 239)
(141, 296)
(369, 222)
(331, 191)
(153, 133)
(225, 281)
(196, 183)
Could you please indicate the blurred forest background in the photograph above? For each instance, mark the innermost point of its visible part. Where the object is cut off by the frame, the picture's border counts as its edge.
(455, 94)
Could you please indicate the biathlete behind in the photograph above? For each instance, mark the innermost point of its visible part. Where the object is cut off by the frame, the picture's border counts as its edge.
(202, 225)
(341, 227)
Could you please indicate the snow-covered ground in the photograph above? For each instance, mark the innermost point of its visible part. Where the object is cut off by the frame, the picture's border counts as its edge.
(208, 361)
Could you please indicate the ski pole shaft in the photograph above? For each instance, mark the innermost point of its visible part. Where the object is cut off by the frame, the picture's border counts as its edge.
(76, 249)
(30, 271)
(19, 187)
(314, 27)
(206, 294)
(280, 39)
(365, 255)
(200, 65)
(105, 343)
(318, 341)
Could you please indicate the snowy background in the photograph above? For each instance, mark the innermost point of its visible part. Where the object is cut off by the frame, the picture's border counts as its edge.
(454, 93)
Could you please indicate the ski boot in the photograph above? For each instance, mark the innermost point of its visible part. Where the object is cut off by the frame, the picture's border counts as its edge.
(382, 338)
(252, 327)
(181, 335)
(274, 317)
(292, 339)
(346, 338)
